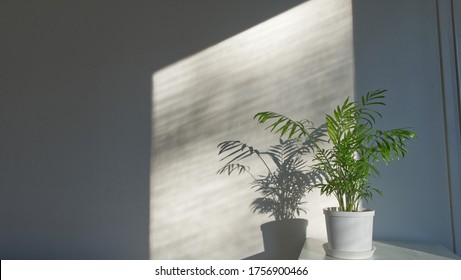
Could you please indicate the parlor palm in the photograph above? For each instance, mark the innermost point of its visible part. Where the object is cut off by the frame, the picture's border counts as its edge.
(355, 147)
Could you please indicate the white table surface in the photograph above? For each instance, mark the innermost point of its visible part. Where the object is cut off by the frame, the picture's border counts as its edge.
(313, 250)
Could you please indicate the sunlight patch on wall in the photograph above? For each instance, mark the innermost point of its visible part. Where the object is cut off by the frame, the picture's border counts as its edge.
(299, 63)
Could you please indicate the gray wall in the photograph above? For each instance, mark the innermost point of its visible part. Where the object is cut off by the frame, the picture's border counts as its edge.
(75, 107)
(407, 47)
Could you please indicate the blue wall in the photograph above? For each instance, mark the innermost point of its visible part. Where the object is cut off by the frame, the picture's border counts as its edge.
(400, 46)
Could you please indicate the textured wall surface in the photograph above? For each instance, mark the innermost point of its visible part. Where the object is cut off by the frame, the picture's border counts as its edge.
(299, 63)
(75, 115)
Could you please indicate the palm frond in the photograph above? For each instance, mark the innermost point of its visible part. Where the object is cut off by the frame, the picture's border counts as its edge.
(284, 125)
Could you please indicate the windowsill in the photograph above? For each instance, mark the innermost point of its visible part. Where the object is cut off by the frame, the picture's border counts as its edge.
(313, 250)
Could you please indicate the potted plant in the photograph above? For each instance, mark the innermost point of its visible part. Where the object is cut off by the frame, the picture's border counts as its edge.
(281, 191)
(347, 164)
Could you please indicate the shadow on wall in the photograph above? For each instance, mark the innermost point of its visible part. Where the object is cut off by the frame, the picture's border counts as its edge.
(281, 188)
(300, 62)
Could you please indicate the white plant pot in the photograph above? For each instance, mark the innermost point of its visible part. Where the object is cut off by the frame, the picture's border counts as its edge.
(350, 234)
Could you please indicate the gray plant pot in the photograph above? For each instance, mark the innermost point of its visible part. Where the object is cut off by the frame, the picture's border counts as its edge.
(284, 240)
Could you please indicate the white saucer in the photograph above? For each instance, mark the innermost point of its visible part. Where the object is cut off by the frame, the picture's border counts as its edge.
(348, 255)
